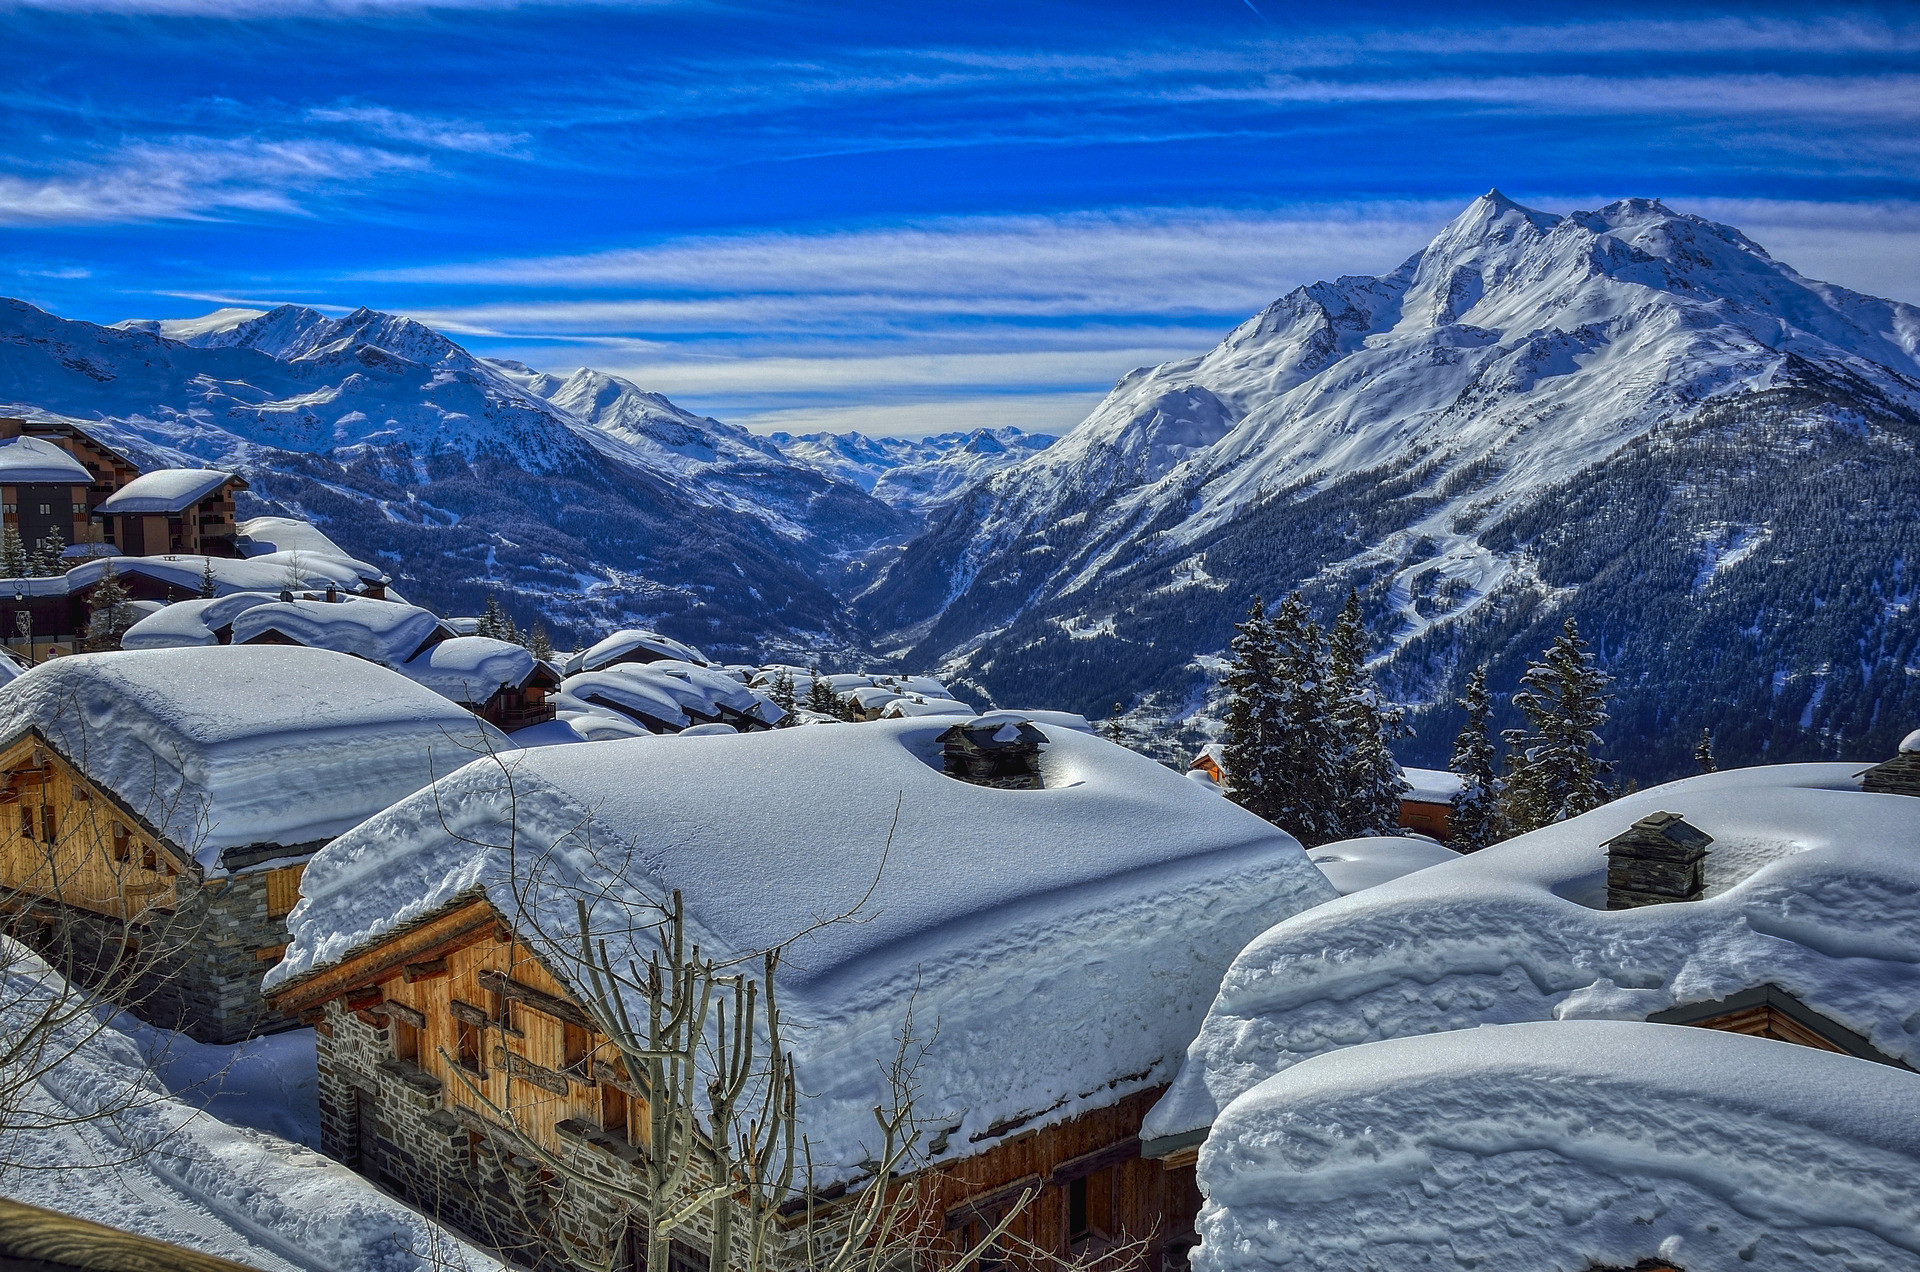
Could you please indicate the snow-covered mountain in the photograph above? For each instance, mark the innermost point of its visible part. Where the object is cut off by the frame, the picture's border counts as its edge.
(914, 474)
(1426, 435)
(598, 504)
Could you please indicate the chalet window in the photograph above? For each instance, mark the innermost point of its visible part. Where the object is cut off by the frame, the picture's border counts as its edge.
(467, 1038)
(574, 1046)
(49, 823)
(613, 1108)
(406, 1040)
(26, 822)
(149, 858)
(122, 843)
(46, 510)
(1091, 1208)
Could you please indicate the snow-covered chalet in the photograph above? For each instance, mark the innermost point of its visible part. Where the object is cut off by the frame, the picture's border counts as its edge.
(1056, 949)
(169, 800)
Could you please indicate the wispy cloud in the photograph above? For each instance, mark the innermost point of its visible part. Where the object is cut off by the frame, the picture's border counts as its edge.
(189, 178)
(420, 130)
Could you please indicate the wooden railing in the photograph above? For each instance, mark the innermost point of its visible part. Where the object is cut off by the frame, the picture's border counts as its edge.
(48, 1241)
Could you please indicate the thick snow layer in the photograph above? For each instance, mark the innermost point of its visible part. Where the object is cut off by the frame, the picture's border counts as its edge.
(1059, 719)
(595, 724)
(1559, 1148)
(237, 745)
(1354, 864)
(165, 1169)
(630, 641)
(26, 460)
(670, 691)
(168, 490)
(385, 632)
(1813, 886)
(271, 573)
(186, 623)
(288, 534)
(469, 669)
(1066, 940)
(909, 708)
(1432, 786)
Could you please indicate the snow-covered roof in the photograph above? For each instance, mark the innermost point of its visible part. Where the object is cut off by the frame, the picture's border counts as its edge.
(187, 623)
(470, 669)
(1911, 742)
(670, 691)
(1059, 719)
(385, 632)
(1812, 886)
(284, 535)
(165, 490)
(911, 708)
(1565, 1146)
(235, 746)
(596, 724)
(630, 643)
(1353, 864)
(874, 697)
(271, 573)
(1063, 938)
(1432, 786)
(34, 460)
(103, 1139)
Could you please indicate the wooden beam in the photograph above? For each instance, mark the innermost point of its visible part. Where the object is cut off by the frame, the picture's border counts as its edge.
(539, 1000)
(464, 923)
(426, 971)
(400, 1011)
(47, 1241)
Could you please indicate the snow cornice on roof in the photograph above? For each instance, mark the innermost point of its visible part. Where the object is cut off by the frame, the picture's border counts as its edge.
(166, 490)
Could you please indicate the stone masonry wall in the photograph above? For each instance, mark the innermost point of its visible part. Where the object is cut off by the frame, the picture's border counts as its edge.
(390, 1120)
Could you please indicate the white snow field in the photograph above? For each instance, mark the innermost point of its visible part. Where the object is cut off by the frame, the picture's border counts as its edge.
(1561, 1147)
(237, 745)
(104, 1139)
(1355, 864)
(1812, 886)
(1058, 946)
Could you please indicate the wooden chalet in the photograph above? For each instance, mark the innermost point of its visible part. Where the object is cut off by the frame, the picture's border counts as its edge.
(175, 511)
(429, 1025)
(1426, 806)
(421, 1032)
(1212, 761)
(107, 471)
(1899, 775)
(136, 834)
(91, 882)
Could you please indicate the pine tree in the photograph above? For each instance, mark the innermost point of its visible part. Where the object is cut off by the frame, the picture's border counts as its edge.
(1367, 779)
(540, 644)
(1703, 754)
(47, 553)
(1554, 772)
(208, 589)
(820, 696)
(109, 612)
(782, 693)
(1474, 821)
(494, 622)
(1115, 727)
(1277, 743)
(13, 554)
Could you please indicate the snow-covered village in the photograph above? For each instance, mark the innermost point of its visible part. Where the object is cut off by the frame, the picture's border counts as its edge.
(798, 638)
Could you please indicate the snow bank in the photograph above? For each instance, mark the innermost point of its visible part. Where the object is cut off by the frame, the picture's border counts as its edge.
(1813, 886)
(1354, 864)
(911, 708)
(240, 745)
(1563, 1147)
(632, 641)
(469, 669)
(192, 1179)
(385, 632)
(164, 490)
(34, 460)
(188, 623)
(1066, 940)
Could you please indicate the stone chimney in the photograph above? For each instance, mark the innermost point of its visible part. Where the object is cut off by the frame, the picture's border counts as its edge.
(1658, 859)
(994, 752)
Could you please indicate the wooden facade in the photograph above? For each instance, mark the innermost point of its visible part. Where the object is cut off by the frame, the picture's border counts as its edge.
(185, 951)
(470, 1015)
(1427, 817)
(1767, 1011)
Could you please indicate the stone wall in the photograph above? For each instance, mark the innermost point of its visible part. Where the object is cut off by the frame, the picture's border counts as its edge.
(391, 1121)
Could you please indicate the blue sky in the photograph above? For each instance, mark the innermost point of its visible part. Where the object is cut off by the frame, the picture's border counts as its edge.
(902, 217)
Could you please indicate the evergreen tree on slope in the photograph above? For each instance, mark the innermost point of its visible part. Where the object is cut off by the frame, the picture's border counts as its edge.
(820, 696)
(1703, 753)
(1554, 772)
(1367, 779)
(1249, 747)
(1474, 821)
(47, 555)
(13, 554)
(1277, 744)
